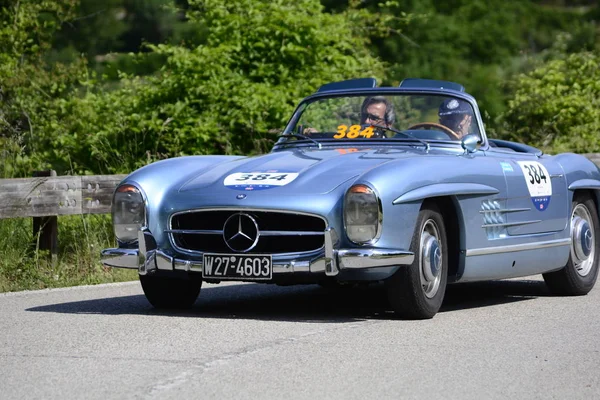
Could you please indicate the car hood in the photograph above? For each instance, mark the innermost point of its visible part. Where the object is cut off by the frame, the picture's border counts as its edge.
(307, 171)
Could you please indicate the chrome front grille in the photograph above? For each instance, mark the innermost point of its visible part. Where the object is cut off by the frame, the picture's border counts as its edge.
(279, 232)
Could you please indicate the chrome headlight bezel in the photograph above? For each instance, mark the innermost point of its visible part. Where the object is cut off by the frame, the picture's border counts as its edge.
(363, 199)
(128, 212)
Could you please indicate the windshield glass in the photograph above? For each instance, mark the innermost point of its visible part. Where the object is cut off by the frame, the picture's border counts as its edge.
(402, 116)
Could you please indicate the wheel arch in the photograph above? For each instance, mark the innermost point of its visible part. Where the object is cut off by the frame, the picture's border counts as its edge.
(594, 194)
(580, 273)
(452, 216)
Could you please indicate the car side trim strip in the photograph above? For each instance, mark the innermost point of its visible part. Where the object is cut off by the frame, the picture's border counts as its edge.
(517, 247)
(535, 221)
(445, 189)
(504, 210)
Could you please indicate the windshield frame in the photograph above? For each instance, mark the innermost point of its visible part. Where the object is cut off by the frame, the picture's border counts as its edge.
(384, 91)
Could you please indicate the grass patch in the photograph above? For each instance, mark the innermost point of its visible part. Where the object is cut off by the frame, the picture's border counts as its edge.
(80, 240)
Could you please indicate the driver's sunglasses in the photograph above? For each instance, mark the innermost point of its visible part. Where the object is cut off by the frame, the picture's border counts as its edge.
(373, 118)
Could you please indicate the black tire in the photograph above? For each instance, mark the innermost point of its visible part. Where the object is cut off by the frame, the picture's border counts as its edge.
(579, 275)
(411, 294)
(171, 293)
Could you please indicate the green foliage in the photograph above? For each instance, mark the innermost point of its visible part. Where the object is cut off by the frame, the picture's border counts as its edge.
(557, 106)
(225, 90)
(78, 262)
(27, 27)
(27, 86)
(96, 30)
(224, 96)
(111, 32)
(479, 43)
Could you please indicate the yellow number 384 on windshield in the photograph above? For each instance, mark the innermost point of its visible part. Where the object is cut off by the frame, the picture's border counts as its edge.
(353, 132)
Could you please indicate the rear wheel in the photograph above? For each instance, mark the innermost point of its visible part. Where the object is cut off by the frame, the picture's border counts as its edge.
(417, 291)
(579, 275)
(167, 292)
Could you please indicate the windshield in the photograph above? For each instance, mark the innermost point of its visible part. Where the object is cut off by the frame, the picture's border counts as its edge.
(403, 116)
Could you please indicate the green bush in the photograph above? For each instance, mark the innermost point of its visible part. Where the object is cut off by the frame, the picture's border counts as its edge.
(221, 97)
(557, 106)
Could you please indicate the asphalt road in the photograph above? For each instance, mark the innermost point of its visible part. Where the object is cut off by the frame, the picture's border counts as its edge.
(499, 340)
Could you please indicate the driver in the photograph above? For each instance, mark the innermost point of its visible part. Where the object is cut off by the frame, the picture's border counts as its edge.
(456, 115)
(377, 110)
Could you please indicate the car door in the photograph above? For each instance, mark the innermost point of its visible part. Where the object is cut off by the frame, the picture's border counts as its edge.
(536, 193)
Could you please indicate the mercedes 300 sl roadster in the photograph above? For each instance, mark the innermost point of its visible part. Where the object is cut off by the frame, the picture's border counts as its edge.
(398, 185)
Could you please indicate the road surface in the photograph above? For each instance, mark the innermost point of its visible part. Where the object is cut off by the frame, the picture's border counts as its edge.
(497, 340)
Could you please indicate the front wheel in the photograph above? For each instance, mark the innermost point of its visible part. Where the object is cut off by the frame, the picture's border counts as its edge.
(579, 275)
(417, 291)
(167, 292)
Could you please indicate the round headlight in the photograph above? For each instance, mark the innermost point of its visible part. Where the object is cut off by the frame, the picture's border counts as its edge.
(362, 214)
(128, 213)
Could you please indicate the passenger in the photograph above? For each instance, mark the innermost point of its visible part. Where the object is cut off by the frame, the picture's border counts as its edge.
(456, 115)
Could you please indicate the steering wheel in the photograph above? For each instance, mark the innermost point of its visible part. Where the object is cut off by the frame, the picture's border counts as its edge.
(453, 135)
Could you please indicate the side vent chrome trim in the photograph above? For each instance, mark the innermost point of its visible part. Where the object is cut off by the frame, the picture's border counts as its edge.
(505, 210)
(511, 223)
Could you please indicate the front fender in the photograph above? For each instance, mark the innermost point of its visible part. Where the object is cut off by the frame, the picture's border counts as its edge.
(156, 180)
(445, 189)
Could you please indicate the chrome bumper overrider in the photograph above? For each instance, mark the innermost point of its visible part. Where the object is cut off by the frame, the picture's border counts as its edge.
(334, 260)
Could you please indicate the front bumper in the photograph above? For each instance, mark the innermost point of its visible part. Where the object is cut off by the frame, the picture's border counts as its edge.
(335, 260)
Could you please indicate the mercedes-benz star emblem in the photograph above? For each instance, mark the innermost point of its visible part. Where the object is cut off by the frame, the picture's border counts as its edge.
(240, 232)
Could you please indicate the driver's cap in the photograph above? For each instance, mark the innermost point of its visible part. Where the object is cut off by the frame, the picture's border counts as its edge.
(454, 106)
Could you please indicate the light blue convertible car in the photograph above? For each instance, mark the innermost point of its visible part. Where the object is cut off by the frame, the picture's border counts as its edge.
(365, 184)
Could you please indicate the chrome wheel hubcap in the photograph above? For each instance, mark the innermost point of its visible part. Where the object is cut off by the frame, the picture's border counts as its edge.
(431, 258)
(583, 251)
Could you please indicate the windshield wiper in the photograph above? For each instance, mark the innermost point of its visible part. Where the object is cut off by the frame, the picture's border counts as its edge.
(408, 135)
(300, 136)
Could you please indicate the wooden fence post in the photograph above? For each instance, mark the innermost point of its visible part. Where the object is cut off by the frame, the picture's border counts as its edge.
(45, 229)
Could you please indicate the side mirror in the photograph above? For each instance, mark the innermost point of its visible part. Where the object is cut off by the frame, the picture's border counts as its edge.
(470, 143)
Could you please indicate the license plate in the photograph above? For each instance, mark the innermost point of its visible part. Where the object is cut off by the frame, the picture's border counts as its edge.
(253, 267)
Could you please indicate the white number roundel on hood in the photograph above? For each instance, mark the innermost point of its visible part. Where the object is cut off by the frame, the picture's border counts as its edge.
(259, 180)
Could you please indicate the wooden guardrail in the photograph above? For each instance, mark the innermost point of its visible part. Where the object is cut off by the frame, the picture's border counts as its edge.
(57, 195)
(46, 196)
